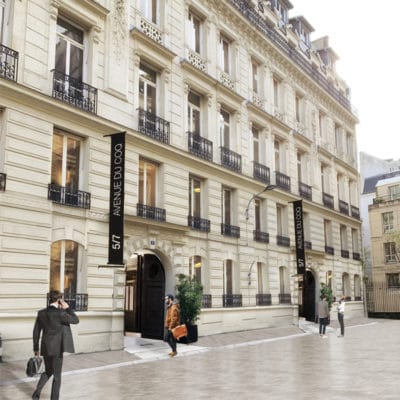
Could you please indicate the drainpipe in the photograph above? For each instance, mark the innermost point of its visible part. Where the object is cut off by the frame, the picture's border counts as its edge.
(1, 349)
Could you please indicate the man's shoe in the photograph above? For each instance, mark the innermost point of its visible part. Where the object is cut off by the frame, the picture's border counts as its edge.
(173, 354)
(35, 396)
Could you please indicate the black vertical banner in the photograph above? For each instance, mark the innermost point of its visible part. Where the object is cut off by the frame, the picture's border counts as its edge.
(117, 183)
(299, 236)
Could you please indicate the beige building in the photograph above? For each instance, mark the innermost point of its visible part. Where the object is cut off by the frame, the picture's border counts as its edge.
(219, 100)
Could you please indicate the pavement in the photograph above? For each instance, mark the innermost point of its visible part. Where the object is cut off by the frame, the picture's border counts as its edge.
(138, 350)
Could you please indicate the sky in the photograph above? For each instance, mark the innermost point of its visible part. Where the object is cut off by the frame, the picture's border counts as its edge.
(365, 35)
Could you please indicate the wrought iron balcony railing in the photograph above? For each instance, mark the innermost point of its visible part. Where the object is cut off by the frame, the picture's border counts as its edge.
(261, 173)
(206, 301)
(263, 299)
(355, 212)
(153, 126)
(3, 180)
(77, 301)
(282, 181)
(343, 207)
(307, 245)
(65, 195)
(327, 200)
(200, 147)
(232, 300)
(285, 298)
(259, 236)
(329, 250)
(74, 92)
(282, 241)
(345, 253)
(305, 191)
(230, 230)
(200, 224)
(8, 63)
(356, 256)
(149, 212)
(231, 160)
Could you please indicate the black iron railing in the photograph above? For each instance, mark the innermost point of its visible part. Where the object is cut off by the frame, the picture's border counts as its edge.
(232, 300)
(355, 212)
(200, 224)
(149, 212)
(282, 181)
(263, 299)
(243, 6)
(356, 256)
(77, 301)
(282, 241)
(259, 236)
(231, 160)
(327, 200)
(206, 301)
(343, 207)
(3, 180)
(345, 253)
(67, 196)
(200, 147)
(261, 173)
(230, 230)
(153, 126)
(285, 298)
(329, 250)
(305, 191)
(8, 63)
(74, 92)
(307, 245)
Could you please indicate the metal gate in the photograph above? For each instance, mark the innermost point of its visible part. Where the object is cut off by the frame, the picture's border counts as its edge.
(382, 300)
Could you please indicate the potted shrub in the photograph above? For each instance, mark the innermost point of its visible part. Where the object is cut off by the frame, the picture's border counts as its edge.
(189, 293)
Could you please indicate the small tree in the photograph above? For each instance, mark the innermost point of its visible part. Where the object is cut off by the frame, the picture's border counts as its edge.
(326, 292)
(189, 293)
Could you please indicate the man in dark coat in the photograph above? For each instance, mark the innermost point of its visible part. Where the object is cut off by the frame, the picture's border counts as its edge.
(53, 322)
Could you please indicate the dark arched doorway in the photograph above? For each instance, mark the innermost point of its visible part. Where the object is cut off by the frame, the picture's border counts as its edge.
(308, 309)
(144, 297)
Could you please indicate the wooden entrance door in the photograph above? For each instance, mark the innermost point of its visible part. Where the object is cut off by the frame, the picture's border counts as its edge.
(309, 297)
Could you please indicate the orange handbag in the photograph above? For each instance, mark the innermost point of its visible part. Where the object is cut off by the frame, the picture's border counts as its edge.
(179, 331)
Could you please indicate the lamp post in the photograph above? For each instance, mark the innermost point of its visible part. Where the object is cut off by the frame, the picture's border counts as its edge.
(268, 187)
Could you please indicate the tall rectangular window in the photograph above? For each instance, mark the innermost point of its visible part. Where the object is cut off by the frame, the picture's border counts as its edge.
(225, 129)
(343, 237)
(149, 9)
(228, 277)
(394, 192)
(328, 232)
(277, 153)
(255, 76)
(194, 102)
(195, 267)
(299, 108)
(257, 214)
(256, 144)
(355, 240)
(227, 206)
(147, 183)
(147, 89)
(387, 221)
(194, 32)
(224, 44)
(338, 138)
(390, 252)
(3, 19)
(195, 197)
(281, 220)
(276, 89)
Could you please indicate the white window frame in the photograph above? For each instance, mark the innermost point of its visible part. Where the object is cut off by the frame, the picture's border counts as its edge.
(225, 59)
(150, 10)
(145, 200)
(387, 221)
(194, 24)
(389, 251)
(192, 108)
(195, 183)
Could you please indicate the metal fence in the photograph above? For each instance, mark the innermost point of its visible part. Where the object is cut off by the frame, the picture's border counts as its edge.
(382, 300)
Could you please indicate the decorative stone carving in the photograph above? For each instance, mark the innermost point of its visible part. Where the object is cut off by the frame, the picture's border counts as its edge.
(119, 29)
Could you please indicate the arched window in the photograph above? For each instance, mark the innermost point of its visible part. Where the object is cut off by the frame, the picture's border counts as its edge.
(346, 286)
(357, 288)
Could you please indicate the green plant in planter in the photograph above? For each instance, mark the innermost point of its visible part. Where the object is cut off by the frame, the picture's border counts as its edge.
(326, 292)
(189, 292)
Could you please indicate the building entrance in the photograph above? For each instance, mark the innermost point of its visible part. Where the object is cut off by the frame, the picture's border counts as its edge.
(307, 288)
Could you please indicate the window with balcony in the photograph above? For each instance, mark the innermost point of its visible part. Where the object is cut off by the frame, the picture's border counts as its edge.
(195, 268)
(263, 297)
(387, 221)
(196, 220)
(338, 140)
(67, 273)
(3, 20)
(194, 32)
(305, 190)
(276, 100)
(357, 287)
(390, 252)
(284, 286)
(227, 212)
(344, 241)
(300, 112)
(356, 244)
(260, 171)
(281, 179)
(149, 9)
(328, 237)
(225, 54)
(282, 225)
(259, 232)
(307, 231)
(66, 166)
(194, 112)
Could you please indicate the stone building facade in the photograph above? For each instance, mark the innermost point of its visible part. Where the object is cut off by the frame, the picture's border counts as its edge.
(230, 111)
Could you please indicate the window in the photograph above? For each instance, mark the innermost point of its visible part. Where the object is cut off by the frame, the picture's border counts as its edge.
(283, 281)
(355, 242)
(3, 21)
(390, 252)
(387, 221)
(393, 280)
(281, 220)
(394, 192)
(256, 144)
(226, 206)
(262, 278)
(195, 186)
(349, 145)
(322, 125)
(306, 227)
(299, 166)
(194, 32)
(228, 278)
(147, 89)
(195, 266)
(194, 101)
(224, 44)
(329, 279)
(279, 153)
(276, 88)
(357, 287)
(328, 232)
(343, 237)
(147, 183)
(257, 215)
(65, 164)
(299, 103)
(281, 11)
(255, 76)
(149, 9)
(69, 50)
(65, 258)
(225, 128)
(325, 178)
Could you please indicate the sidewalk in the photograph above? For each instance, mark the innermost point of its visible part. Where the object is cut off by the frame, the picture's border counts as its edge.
(138, 350)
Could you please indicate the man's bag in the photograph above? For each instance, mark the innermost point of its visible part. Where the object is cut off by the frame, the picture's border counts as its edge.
(180, 331)
(34, 366)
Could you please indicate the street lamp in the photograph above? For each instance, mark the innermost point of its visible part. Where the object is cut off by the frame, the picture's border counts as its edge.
(268, 187)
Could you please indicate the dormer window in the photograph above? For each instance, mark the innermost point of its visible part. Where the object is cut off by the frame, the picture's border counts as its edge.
(281, 8)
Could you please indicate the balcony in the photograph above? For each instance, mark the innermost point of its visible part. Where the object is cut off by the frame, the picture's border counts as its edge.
(327, 200)
(355, 212)
(285, 298)
(259, 236)
(282, 181)
(200, 147)
(227, 80)
(282, 241)
(77, 301)
(356, 256)
(196, 60)
(263, 299)
(230, 230)
(199, 223)
(66, 196)
(8, 63)
(3, 180)
(329, 250)
(345, 253)
(154, 213)
(206, 301)
(261, 173)
(343, 207)
(74, 92)
(153, 126)
(231, 160)
(151, 30)
(305, 191)
(232, 300)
